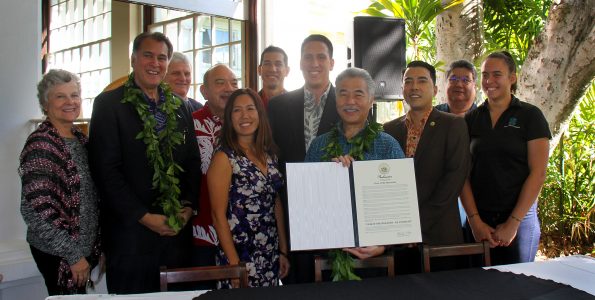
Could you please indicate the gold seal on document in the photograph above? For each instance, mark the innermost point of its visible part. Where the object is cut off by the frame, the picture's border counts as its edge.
(383, 168)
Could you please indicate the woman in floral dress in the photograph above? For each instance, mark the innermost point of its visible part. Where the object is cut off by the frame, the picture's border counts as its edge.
(243, 182)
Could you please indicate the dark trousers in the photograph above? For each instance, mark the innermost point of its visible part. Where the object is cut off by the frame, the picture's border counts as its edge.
(132, 273)
(48, 267)
(302, 267)
(203, 256)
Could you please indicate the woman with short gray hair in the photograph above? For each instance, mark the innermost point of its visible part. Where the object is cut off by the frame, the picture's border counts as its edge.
(59, 202)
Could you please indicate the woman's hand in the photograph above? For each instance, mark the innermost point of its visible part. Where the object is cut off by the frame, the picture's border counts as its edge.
(365, 252)
(284, 266)
(506, 232)
(80, 272)
(344, 159)
(158, 224)
(482, 231)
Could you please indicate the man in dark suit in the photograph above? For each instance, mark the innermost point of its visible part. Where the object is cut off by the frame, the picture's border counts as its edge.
(137, 235)
(298, 117)
(439, 145)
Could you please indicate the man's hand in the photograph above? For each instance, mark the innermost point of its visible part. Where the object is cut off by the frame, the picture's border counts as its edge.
(366, 252)
(344, 159)
(158, 224)
(185, 214)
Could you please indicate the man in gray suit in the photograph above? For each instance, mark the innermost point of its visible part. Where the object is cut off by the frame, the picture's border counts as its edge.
(439, 145)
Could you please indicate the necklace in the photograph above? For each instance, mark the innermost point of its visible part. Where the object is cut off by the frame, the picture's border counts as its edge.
(160, 147)
(342, 262)
(360, 142)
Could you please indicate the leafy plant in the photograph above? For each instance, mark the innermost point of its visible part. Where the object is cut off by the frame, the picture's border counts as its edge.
(567, 200)
(513, 25)
(420, 18)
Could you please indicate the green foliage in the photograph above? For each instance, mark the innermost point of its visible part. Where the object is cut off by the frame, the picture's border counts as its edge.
(342, 266)
(420, 19)
(513, 25)
(160, 148)
(567, 200)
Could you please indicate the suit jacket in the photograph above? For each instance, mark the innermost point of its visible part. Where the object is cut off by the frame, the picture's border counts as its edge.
(286, 115)
(123, 175)
(441, 165)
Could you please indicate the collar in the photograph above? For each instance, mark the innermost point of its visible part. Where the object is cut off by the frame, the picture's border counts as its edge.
(340, 129)
(310, 96)
(422, 122)
(209, 114)
(514, 102)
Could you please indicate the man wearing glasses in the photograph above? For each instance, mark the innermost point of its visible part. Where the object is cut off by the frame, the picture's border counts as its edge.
(460, 89)
(460, 97)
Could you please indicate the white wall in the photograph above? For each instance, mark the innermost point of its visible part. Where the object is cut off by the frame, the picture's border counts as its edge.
(20, 70)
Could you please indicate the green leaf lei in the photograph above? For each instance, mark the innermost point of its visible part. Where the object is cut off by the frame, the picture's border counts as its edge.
(160, 147)
(342, 262)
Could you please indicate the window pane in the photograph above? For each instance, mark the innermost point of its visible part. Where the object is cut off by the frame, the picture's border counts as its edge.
(76, 60)
(162, 14)
(171, 31)
(186, 33)
(54, 21)
(78, 33)
(104, 55)
(70, 13)
(221, 31)
(236, 59)
(202, 63)
(203, 35)
(221, 55)
(156, 29)
(85, 59)
(62, 14)
(236, 30)
(107, 25)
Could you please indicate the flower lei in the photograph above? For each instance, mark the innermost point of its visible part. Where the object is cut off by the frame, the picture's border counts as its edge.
(160, 148)
(342, 263)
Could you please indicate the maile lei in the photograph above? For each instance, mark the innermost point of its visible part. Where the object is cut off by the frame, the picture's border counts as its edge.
(342, 262)
(160, 148)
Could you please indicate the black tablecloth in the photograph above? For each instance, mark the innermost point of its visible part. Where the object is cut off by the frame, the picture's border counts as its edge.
(459, 284)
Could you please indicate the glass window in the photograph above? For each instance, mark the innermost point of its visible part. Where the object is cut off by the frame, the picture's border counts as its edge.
(205, 40)
(80, 41)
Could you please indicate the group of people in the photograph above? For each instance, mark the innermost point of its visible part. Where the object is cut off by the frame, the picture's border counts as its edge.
(179, 184)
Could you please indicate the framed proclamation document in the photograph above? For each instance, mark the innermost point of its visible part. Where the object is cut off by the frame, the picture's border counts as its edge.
(373, 202)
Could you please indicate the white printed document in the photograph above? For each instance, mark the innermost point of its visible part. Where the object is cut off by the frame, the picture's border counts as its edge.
(371, 203)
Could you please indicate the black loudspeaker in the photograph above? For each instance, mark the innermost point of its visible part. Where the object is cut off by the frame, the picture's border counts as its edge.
(379, 48)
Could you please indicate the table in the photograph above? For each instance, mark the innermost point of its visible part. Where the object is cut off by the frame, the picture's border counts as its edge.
(150, 296)
(577, 271)
(574, 276)
(459, 284)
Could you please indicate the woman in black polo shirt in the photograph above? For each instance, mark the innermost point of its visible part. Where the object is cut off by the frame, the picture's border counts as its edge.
(509, 146)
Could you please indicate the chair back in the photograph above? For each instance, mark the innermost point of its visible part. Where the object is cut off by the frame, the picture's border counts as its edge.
(482, 248)
(194, 274)
(386, 260)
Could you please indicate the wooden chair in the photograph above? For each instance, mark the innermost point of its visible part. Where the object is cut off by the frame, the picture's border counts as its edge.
(456, 250)
(386, 260)
(116, 83)
(193, 274)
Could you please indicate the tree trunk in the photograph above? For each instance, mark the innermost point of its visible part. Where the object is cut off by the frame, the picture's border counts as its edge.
(561, 63)
(459, 35)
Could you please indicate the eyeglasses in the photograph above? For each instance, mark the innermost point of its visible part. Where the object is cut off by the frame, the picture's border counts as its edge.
(464, 79)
